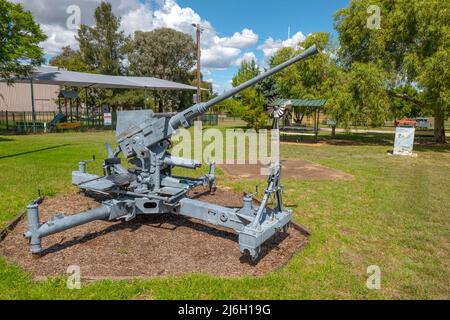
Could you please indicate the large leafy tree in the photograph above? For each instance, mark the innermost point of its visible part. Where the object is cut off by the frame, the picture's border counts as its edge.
(412, 46)
(317, 77)
(102, 47)
(251, 100)
(359, 96)
(20, 36)
(165, 54)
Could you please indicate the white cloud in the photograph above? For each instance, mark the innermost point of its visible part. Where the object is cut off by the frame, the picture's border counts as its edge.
(271, 46)
(218, 57)
(140, 18)
(218, 51)
(53, 12)
(244, 39)
(58, 37)
(52, 16)
(247, 57)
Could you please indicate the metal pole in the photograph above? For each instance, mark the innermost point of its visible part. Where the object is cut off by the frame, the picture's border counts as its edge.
(71, 109)
(32, 105)
(199, 53)
(87, 108)
(145, 99)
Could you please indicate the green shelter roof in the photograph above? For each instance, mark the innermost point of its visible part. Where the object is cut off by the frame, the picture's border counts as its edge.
(299, 102)
(68, 94)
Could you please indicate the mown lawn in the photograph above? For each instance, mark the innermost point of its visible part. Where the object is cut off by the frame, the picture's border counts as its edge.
(394, 214)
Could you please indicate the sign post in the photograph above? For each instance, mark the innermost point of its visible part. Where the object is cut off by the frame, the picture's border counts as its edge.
(107, 119)
(404, 138)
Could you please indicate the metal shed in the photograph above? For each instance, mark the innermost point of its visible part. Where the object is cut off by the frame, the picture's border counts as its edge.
(54, 76)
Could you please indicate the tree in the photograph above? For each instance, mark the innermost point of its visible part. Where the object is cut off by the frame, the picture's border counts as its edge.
(360, 95)
(406, 102)
(411, 45)
(70, 60)
(165, 54)
(103, 46)
(251, 100)
(314, 76)
(20, 36)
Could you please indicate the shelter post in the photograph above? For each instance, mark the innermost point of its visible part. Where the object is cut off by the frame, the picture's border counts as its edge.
(33, 111)
(87, 107)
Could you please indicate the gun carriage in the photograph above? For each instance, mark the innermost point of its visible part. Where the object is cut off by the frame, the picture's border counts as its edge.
(149, 187)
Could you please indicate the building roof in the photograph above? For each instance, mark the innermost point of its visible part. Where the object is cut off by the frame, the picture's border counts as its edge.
(317, 103)
(54, 76)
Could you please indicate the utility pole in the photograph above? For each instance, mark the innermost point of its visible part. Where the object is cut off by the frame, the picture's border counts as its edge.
(199, 53)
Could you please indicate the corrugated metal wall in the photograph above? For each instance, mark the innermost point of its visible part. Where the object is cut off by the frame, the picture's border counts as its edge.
(18, 97)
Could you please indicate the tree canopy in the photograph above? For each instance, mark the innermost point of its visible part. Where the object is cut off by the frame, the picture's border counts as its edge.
(70, 59)
(20, 36)
(412, 45)
(251, 100)
(102, 47)
(313, 77)
(165, 54)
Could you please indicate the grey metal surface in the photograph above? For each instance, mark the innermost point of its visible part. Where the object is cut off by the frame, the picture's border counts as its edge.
(51, 75)
(58, 223)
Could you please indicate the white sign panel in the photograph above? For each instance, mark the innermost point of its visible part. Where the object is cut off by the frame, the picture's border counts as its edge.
(107, 119)
(404, 141)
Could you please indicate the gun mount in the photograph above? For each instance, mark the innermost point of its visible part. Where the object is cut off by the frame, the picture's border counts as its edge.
(149, 187)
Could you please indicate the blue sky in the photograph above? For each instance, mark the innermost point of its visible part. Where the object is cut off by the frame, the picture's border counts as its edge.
(235, 30)
(267, 18)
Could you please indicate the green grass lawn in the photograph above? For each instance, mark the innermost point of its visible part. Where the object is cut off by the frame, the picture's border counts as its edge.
(395, 214)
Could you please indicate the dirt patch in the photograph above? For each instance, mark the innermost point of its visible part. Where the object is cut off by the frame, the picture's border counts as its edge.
(291, 169)
(148, 246)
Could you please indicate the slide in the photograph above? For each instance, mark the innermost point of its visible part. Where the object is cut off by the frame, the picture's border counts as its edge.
(57, 119)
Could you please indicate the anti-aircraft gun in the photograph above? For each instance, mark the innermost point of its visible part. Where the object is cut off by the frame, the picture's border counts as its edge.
(143, 138)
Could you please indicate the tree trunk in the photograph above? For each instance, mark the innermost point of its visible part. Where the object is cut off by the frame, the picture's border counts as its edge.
(439, 127)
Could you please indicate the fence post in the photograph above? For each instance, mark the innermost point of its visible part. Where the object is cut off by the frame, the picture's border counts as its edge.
(7, 125)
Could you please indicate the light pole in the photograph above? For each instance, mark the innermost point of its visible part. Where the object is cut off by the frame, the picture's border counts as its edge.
(199, 76)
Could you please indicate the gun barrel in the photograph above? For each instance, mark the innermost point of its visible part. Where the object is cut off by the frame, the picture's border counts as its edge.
(184, 117)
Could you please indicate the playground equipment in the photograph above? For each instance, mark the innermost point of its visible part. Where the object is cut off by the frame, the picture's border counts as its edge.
(150, 188)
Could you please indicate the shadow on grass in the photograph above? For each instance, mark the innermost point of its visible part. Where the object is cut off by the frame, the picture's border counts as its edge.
(421, 143)
(360, 139)
(432, 147)
(33, 151)
(3, 139)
